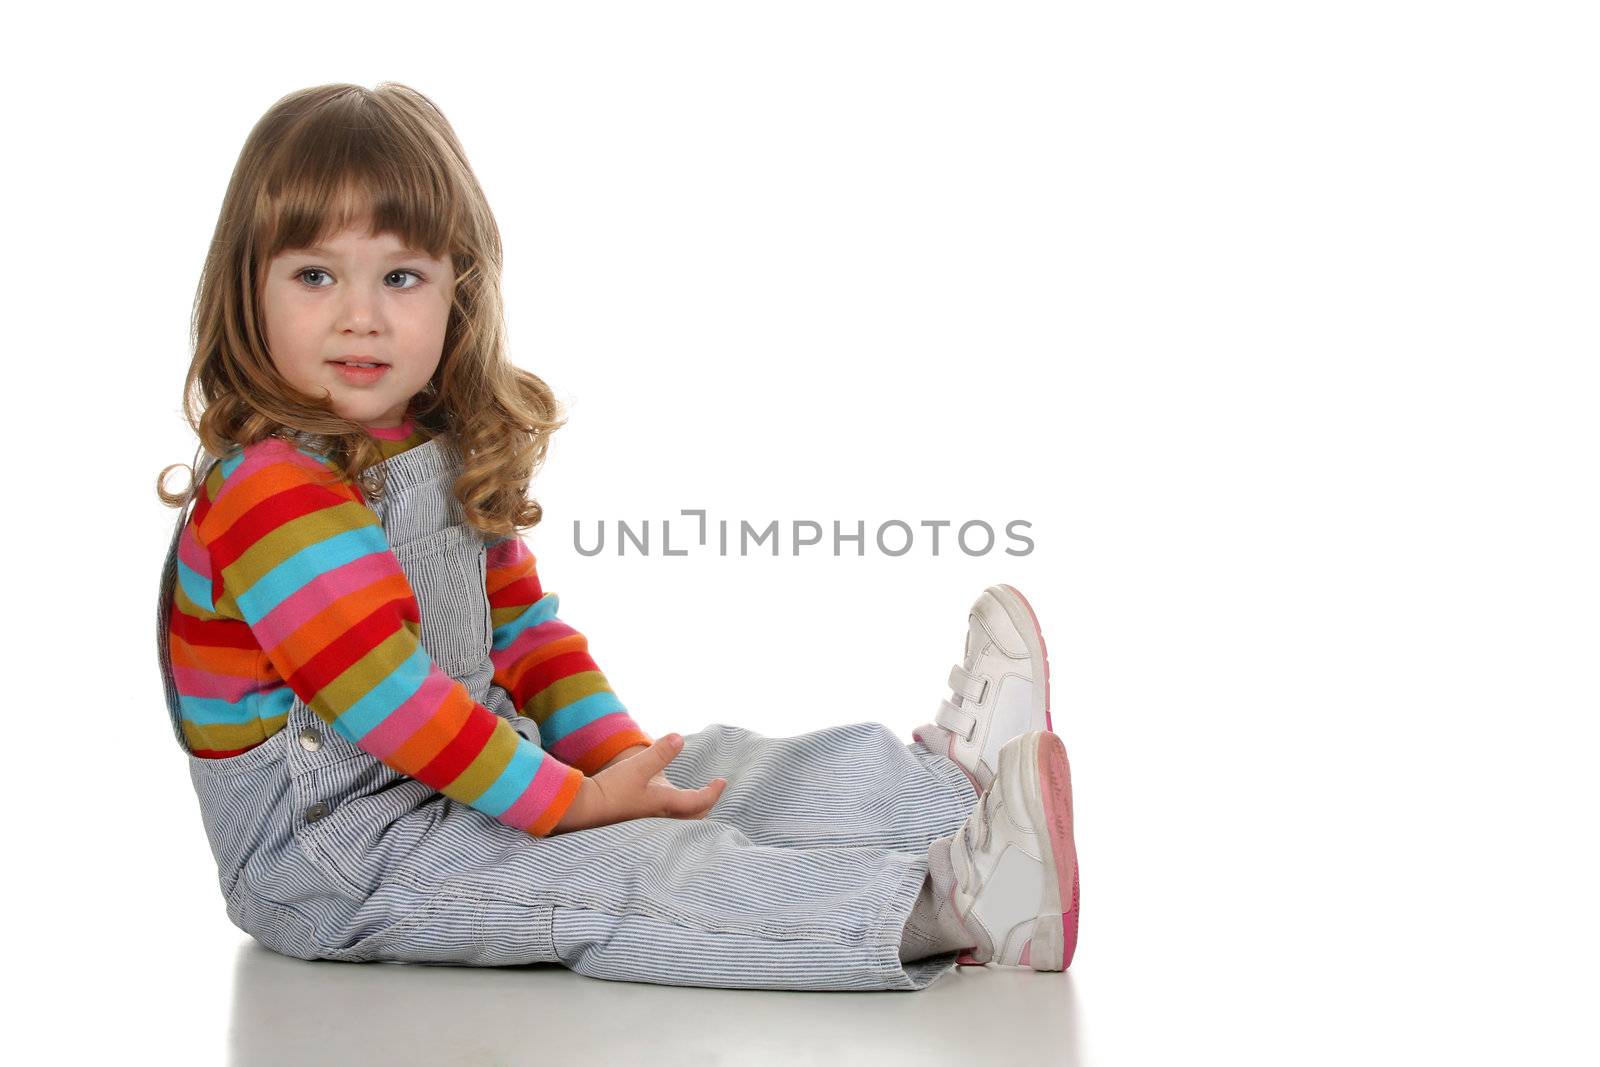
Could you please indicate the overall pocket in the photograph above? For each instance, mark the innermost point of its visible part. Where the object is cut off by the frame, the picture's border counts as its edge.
(244, 805)
(447, 571)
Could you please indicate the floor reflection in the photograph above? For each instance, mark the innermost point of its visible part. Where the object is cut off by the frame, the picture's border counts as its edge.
(291, 1011)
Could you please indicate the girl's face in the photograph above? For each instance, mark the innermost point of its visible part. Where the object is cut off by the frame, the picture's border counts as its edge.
(363, 298)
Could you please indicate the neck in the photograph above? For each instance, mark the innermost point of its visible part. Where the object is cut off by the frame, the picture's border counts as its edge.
(392, 433)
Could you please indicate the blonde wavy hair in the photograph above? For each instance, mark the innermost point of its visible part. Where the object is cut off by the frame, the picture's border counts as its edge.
(322, 159)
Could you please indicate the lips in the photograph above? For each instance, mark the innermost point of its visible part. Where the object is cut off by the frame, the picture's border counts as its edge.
(356, 375)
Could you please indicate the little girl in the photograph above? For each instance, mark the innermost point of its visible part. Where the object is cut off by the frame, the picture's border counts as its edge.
(402, 753)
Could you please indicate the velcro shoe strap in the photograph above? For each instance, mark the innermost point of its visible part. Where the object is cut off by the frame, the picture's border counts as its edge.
(958, 721)
(970, 687)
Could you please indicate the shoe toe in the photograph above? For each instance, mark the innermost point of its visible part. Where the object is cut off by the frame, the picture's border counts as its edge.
(1004, 620)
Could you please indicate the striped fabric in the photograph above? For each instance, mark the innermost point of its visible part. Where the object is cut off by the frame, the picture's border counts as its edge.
(286, 586)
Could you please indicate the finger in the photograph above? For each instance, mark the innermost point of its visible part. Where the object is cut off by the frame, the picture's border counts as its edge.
(681, 803)
(693, 803)
(713, 793)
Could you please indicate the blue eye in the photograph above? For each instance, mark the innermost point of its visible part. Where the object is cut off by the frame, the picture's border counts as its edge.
(302, 276)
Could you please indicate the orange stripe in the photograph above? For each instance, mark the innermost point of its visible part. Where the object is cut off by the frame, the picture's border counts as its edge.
(262, 485)
(241, 662)
(558, 806)
(601, 754)
(500, 577)
(335, 620)
(432, 736)
(549, 650)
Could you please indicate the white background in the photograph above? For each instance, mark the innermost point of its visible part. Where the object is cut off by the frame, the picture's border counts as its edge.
(1276, 321)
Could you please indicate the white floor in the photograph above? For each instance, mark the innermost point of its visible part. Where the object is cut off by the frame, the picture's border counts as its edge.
(284, 1011)
(1168, 972)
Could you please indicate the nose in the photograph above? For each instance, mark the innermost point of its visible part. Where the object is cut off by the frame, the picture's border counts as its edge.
(359, 311)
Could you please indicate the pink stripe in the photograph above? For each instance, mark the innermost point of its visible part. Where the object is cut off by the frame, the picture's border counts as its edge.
(265, 453)
(506, 554)
(572, 747)
(322, 591)
(195, 682)
(413, 713)
(541, 792)
(528, 640)
(193, 553)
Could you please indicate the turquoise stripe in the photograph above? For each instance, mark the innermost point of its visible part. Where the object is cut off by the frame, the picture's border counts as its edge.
(214, 711)
(210, 711)
(394, 689)
(540, 611)
(277, 702)
(577, 715)
(513, 781)
(288, 577)
(196, 587)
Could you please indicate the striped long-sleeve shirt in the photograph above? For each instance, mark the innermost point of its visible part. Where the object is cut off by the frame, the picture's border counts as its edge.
(287, 586)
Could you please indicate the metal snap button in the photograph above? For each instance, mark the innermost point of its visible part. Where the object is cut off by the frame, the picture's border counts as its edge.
(310, 739)
(316, 811)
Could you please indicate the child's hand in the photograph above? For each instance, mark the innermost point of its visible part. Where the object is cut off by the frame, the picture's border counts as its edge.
(637, 788)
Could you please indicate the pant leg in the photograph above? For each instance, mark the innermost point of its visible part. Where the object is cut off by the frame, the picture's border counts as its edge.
(854, 785)
(802, 877)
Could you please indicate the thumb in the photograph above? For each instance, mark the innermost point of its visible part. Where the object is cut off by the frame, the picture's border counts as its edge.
(695, 803)
(664, 750)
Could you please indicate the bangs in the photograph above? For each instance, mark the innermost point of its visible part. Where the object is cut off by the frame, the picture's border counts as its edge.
(337, 170)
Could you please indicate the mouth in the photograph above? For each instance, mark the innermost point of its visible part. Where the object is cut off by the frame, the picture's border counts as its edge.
(359, 371)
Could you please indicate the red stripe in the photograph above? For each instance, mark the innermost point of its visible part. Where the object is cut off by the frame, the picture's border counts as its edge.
(269, 514)
(552, 670)
(520, 593)
(197, 514)
(350, 646)
(213, 633)
(222, 753)
(447, 766)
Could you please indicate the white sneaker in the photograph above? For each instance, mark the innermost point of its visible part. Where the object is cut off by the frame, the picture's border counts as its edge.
(1001, 686)
(1014, 863)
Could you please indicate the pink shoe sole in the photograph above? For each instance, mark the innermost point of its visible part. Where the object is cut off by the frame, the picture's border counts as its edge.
(1060, 797)
(1055, 781)
(1055, 778)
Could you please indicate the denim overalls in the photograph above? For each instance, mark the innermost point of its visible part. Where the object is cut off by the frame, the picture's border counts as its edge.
(801, 877)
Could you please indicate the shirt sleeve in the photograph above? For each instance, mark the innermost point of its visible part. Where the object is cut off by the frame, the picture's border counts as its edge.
(298, 555)
(545, 666)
